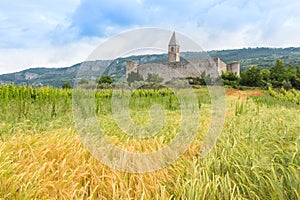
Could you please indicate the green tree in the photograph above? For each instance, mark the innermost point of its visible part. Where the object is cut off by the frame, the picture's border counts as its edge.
(292, 78)
(107, 80)
(265, 75)
(154, 78)
(287, 85)
(83, 81)
(251, 77)
(205, 79)
(278, 74)
(66, 85)
(230, 78)
(298, 72)
(134, 76)
(104, 82)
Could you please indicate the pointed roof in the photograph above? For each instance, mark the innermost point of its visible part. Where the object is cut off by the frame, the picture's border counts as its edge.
(173, 40)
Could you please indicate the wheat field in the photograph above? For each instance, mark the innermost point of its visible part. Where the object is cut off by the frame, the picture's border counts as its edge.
(42, 157)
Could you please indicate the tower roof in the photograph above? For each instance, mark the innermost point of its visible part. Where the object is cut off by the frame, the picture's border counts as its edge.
(173, 40)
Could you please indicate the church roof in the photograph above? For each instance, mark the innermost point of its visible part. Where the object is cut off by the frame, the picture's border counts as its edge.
(173, 40)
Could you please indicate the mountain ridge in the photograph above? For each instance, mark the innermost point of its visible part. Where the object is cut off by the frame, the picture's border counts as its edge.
(263, 57)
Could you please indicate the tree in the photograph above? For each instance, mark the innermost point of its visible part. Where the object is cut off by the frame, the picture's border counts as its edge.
(83, 81)
(206, 78)
(203, 79)
(265, 76)
(154, 78)
(134, 76)
(278, 74)
(298, 72)
(286, 77)
(66, 85)
(104, 80)
(287, 85)
(292, 78)
(230, 78)
(251, 77)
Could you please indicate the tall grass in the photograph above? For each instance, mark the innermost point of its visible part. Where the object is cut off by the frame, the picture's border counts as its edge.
(256, 157)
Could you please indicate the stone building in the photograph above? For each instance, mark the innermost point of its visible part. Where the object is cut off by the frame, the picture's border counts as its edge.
(176, 68)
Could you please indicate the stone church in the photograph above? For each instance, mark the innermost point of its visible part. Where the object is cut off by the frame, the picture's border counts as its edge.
(176, 68)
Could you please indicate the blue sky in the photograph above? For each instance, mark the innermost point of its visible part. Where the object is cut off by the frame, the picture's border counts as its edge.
(61, 33)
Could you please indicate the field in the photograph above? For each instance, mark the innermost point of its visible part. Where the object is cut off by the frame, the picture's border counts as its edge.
(257, 155)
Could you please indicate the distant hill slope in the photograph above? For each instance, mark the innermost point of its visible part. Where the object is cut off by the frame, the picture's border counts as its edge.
(263, 57)
(49, 76)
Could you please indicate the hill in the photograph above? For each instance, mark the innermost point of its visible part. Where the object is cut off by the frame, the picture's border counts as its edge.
(262, 57)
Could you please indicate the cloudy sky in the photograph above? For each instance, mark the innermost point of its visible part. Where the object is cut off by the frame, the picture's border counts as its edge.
(60, 33)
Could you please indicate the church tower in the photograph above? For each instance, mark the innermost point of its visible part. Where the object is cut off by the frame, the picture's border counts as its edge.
(174, 54)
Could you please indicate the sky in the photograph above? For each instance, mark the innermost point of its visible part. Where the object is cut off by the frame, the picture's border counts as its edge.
(60, 33)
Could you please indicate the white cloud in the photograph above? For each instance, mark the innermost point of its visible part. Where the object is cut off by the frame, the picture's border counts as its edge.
(13, 60)
(60, 33)
(26, 23)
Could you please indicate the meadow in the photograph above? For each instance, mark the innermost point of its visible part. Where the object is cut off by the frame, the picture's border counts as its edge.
(257, 155)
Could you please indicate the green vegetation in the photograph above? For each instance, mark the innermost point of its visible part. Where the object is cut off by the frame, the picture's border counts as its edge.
(134, 76)
(256, 157)
(66, 85)
(230, 78)
(202, 80)
(278, 76)
(104, 80)
(252, 77)
(83, 81)
(292, 96)
(154, 78)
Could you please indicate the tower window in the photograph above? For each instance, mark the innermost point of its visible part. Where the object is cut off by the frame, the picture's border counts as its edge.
(172, 49)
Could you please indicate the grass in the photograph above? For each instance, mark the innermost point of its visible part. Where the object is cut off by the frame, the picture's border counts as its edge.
(256, 156)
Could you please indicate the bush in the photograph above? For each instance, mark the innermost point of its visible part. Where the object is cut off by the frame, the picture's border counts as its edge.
(287, 85)
(104, 80)
(230, 78)
(66, 85)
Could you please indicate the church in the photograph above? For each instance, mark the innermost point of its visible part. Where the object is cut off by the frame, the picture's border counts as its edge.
(175, 68)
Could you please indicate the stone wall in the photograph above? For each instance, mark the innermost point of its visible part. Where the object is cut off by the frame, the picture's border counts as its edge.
(174, 70)
(234, 67)
(210, 66)
(167, 71)
(222, 66)
(183, 69)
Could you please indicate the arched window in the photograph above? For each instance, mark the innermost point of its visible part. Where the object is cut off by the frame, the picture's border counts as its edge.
(172, 49)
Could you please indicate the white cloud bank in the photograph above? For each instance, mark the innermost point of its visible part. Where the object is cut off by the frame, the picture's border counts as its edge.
(61, 33)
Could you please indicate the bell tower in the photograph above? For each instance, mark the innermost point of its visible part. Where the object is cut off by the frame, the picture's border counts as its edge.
(174, 53)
